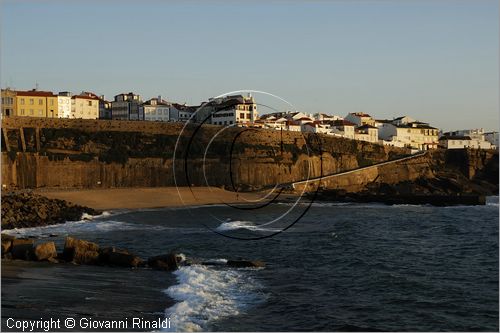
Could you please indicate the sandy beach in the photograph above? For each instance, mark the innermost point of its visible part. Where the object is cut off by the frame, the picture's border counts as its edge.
(136, 198)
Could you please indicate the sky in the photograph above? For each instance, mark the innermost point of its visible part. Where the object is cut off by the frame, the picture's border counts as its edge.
(437, 61)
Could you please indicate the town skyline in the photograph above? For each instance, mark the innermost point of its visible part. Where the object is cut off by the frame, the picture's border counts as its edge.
(436, 61)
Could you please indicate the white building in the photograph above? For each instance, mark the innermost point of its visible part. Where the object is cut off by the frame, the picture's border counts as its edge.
(343, 128)
(399, 133)
(472, 138)
(492, 137)
(360, 119)
(366, 133)
(156, 109)
(64, 104)
(85, 106)
(326, 117)
(238, 110)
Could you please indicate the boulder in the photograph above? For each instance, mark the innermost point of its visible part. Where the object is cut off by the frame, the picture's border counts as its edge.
(117, 257)
(82, 256)
(6, 243)
(165, 262)
(74, 245)
(22, 249)
(245, 263)
(45, 251)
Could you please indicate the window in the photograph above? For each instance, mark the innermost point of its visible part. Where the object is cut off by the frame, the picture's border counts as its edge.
(40, 101)
(40, 112)
(242, 115)
(52, 102)
(3, 101)
(22, 112)
(248, 115)
(32, 101)
(22, 101)
(31, 111)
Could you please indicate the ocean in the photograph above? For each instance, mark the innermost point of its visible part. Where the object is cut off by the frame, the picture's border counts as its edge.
(339, 267)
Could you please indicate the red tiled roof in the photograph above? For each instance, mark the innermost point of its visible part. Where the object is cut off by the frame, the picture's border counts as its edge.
(36, 93)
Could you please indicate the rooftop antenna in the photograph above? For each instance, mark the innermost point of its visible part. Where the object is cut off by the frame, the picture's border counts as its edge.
(36, 86)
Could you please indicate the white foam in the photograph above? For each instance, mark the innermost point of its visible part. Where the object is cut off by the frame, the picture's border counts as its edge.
(205, 295)
(235, 225)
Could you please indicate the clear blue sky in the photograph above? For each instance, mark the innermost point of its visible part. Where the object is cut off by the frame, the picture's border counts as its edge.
(434, 60)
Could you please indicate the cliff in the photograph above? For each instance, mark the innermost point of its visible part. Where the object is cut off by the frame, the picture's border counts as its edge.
(75, 153)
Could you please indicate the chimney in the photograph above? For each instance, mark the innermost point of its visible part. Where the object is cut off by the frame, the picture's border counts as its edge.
(159, 98)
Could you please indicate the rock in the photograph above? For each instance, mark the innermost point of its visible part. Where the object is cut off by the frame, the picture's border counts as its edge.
(245, 263)
(166, 262)
(53, 260)
(74, 245)
(6, 243)
(81, 256)
(22, 249)
(45, 251)
(117, 257)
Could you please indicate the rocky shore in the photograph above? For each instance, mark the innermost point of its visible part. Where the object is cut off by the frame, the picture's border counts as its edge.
(443, 190)
(82, 252)
(21, 210)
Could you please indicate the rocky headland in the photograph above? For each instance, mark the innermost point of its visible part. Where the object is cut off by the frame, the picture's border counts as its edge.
(21, 210)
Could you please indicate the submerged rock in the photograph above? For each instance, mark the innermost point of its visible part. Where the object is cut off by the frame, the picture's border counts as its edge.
(117, 257)
(245, 263)
(166, 262)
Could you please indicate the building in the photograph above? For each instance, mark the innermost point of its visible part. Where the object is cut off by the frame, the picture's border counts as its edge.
(473, 138)
(360, 119)
(415, 135)
(229, 110)
(85, 106)
(326, 117)
(492, 137)
(104, 108)
(366, 133)
(156, 109)
(64, 104)
(126, 107)
(343, 128)
(9, 102)
(35, 103)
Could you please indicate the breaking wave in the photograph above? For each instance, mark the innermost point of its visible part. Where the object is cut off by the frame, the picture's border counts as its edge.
(236, 225)
(205, 295)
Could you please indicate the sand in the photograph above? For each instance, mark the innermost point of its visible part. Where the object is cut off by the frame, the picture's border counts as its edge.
(137, 198)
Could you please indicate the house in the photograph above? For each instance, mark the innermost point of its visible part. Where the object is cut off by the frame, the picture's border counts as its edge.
(85, 106)
(326, 117)
(181, 112)
(316, 127)
(474, 139)
(366, 133)
(360, 119)
(492, 137)
(104, 108)
(126, 107)
(155, 109)
(35, 103)
(64, 104)
(9, 105)
(229, 110)
(415, 135)
(404, 120)
(343, 127)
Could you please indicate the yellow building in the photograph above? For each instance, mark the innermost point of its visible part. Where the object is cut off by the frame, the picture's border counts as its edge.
(8, 102)
(34, 103)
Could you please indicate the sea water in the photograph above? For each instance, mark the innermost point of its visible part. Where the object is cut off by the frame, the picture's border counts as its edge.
(340, 267)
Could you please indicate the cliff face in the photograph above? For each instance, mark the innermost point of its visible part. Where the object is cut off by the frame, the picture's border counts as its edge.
(65, 153)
